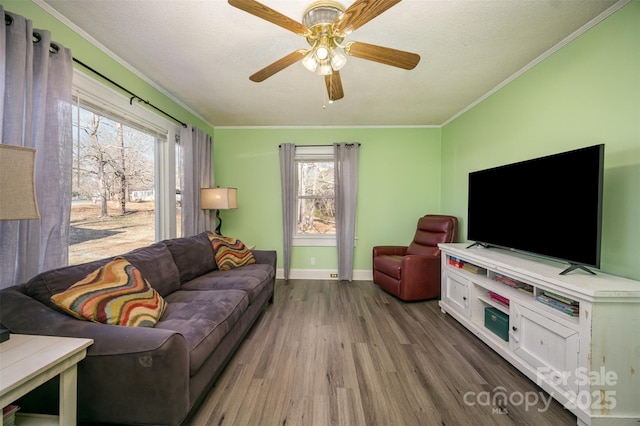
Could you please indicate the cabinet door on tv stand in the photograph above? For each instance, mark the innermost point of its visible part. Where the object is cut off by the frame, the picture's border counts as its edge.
(546, 345)
(456, 292)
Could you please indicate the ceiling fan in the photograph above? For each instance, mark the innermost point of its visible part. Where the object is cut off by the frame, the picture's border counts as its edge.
(325, 24)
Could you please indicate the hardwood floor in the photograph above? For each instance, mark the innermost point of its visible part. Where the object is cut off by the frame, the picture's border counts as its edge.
(339, 353)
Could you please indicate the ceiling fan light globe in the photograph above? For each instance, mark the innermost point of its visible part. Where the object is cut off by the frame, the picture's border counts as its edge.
(325, 68)
(310, 62)
(322, 53)
(322, 12)
(337, 59)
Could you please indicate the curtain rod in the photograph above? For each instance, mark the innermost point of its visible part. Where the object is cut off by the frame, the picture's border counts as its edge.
(133, 95)
(8, 20)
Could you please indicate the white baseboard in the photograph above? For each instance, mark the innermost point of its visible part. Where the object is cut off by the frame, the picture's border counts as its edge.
(323, 274)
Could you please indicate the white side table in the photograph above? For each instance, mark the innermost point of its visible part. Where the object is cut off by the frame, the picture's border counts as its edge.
(27, 361)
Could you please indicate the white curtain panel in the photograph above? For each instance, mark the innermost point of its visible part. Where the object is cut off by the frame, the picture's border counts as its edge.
(35, 106)
(288, 184)
(197, 167)
(346, 188)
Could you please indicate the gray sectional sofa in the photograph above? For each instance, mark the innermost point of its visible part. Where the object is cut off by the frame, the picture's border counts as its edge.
(149, 375)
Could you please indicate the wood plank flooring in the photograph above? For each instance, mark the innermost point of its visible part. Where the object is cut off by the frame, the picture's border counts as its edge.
(339, 353)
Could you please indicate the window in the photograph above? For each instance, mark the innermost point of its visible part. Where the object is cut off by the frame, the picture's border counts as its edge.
(315, 196)
(179, 186)
(123, 168)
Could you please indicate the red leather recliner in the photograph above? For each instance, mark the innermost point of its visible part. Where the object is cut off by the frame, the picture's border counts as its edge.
(413, 272)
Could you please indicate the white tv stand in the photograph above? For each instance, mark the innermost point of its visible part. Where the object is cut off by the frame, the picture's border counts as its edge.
(588, 361)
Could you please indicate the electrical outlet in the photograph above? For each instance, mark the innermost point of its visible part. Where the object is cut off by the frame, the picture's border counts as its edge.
(333, 275)
(312, 261)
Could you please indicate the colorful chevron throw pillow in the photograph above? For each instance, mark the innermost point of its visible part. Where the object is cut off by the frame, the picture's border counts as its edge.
(230, 252)
(115, 294)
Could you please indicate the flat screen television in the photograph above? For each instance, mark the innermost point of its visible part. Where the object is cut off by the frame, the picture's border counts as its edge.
(549, 206)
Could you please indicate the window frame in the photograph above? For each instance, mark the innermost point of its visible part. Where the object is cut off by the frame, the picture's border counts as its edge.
(102, 99)
(319, 153)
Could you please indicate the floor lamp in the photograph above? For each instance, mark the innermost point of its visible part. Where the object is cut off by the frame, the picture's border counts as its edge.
(218, 199)
(17, 189)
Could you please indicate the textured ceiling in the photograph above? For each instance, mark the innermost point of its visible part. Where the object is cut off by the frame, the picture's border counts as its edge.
(202, 53)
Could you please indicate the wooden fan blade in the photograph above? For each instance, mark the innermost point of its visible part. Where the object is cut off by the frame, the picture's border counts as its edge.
(361, 12)
(334, 86)
(278, 65)
(265, 12)
(384, 55)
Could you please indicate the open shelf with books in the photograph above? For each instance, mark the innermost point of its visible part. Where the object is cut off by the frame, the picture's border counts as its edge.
(554, 328)
(558, 302)
(513, 283)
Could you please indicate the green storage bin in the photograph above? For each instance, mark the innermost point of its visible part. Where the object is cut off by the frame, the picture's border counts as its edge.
(497, 321)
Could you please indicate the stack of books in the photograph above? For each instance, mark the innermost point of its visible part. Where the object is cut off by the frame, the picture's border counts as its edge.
(9, 415)
(474, 269)
(561, 303)
(454, 261)
(527, 288)
(498, 298)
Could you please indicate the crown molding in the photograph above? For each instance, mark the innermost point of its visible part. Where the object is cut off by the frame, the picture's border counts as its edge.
(57, 15)
(417, 126)
(577, 33)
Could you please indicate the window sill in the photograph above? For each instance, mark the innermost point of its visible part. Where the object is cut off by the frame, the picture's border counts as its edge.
(319, 241)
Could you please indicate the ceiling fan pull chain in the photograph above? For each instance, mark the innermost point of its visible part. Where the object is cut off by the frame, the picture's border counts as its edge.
(324, 98)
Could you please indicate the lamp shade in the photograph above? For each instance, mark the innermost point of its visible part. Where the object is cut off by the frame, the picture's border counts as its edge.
(218, 198)
(17, 187)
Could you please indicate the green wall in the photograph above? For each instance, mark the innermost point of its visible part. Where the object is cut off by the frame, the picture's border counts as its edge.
(586, 93)
(86, 52)
(398, 181)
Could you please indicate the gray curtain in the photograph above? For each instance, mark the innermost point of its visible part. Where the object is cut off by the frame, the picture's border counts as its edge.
(346, 187)
(197, 168)
(288, 183)
(35, 106)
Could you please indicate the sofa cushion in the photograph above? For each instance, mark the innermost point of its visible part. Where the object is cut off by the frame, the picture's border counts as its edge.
(203, 318)
(154, 262)
(250, 278)
(115, 294)
(192, 255)
(230, 252)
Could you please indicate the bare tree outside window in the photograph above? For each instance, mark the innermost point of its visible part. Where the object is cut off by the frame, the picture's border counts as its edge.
(113, 188)
(315, 198)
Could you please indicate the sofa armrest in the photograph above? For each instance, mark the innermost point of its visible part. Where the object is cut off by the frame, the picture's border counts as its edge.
(24, 315)
(149, 366)
(389, 250)
(269, 257)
